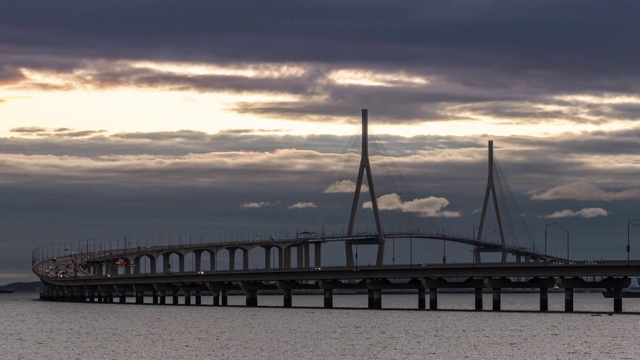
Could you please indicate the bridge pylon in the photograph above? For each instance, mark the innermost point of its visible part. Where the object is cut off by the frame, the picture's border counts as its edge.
(365, 166)
(491, 189)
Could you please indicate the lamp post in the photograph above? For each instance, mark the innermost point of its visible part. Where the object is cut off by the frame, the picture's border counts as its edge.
(629, 222)
(567, 230)
(546, 226)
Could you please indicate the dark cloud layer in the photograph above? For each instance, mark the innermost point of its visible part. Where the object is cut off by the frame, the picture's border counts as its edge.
(499, 56)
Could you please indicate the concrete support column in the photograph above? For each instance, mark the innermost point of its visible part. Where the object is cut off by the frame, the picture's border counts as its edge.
(527, 259)
(318, 254)
(139, 297)
(280, 258)
(152, 265)
(370, 303)
(478, 298)
(617, 299)
(198, 260)
(568, 299)
(328, 298)
(216, 298)
(123, 297)
(198, 297)
(422, 303)
(476, 255)
(175, 297)
(245, 259)
(287, 257)
(155, 297)
(166, 267)
(213, 257)
(163, 297)
(307, 255)
(300, 255)
(181, 263)
(110, 298)
(91, 296)
(100, 297)
(544, 299)
(496, 298)
(252, 298)
(267, 257)
(433, 298)
(232, 259)
(288, 299)
(377, 298)
(187, 297)
(223, 298)
(136, 266)
(518, 258)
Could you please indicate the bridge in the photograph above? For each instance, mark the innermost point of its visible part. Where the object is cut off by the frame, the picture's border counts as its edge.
(97, 273)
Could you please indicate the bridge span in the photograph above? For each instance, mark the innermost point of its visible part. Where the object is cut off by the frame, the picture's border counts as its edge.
(101, 277)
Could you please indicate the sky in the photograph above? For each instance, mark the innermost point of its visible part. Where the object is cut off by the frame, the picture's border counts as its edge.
(171, 118)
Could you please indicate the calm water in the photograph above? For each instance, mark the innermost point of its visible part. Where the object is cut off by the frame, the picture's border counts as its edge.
(33, 329)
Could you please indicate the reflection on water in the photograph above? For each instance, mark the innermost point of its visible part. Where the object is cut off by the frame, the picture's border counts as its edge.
(36, 329)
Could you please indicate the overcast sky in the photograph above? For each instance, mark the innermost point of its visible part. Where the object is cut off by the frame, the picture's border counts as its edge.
(158, 118)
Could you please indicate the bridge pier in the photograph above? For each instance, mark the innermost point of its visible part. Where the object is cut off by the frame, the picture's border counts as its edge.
(544, 299)
(216, 298)
(617, 299)
(568, 299)
(288, 300)
(223, 298)
(478, 299)
(232, 258)
(318, 254)
(245, 259)
(433, 298)
(252, 298)
(198, 297)
(163, 297)
(300, 255)
(139, 297)
(123, 297)
(287, 257)
(421, 298)
(267, 257)
(175, 297)
(328, 298)
(187, 297)
(496, 298)
(155, 297)
(375, 299)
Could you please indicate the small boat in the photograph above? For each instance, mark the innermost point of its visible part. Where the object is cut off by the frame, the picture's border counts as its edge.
(4, 290)
(626, 293)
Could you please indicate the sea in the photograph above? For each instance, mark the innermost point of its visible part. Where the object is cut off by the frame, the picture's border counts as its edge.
(34, 329)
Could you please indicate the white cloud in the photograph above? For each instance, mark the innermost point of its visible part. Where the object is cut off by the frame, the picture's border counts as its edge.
(584, 191)
(255, 205)
(344, 186)
(425, 207)
(302, 205)
(585, 213)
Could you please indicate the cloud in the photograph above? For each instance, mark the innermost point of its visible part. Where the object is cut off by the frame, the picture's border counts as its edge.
(344, 186)
(425, 207)
(255, 205)
(584, 191)
(303, 205)
(586, 213)
(28, 130)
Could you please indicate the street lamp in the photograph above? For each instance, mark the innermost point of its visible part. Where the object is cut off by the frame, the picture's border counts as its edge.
(567, 230)
(629, 222)
(546, 226)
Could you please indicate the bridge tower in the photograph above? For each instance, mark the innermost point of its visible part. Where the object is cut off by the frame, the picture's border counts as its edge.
(491, 189)
(365, 165)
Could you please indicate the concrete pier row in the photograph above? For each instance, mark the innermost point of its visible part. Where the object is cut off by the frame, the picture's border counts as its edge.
(191, 293)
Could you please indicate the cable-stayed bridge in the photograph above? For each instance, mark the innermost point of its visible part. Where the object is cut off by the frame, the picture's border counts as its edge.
(296, 262)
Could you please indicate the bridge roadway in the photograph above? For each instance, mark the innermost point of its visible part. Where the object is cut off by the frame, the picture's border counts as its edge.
(372, 279)
(102, 262)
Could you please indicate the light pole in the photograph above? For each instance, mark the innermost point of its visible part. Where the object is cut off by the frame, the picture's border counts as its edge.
(629, 222)
(567, 230)
(546, 226)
